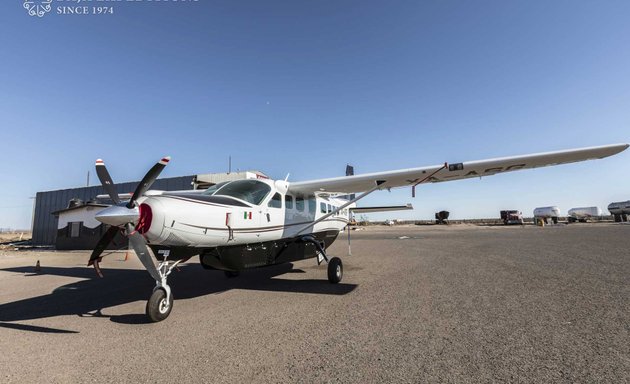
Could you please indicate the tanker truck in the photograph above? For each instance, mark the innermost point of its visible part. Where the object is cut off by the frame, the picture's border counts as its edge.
(620, 210)
(583, 214)
(546, 213)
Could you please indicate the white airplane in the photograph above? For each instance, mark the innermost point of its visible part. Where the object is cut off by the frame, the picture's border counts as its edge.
(252, 223)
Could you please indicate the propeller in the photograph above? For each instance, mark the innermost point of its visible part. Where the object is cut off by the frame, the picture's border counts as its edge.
(139, 245)
(125, 216)
(106, 181)
(148, 180)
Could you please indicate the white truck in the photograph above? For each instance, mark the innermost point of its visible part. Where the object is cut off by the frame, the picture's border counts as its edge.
(546, 213)
(620, 210)
(583, 214)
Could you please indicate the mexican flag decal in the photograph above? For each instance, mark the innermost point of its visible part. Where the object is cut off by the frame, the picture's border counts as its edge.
(247, 215)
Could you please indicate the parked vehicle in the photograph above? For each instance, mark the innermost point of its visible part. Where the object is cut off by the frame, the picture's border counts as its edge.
(583, 214)
(512, 217)
(546, 213)
(441, 217)
(620, 210)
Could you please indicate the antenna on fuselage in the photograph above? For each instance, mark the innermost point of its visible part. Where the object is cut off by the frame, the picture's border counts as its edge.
(287, 178)
(229, 164)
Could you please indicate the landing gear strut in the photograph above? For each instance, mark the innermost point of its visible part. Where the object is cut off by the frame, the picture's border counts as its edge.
(160, 303)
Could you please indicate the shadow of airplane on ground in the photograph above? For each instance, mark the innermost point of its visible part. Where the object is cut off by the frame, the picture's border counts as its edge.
(120, 286)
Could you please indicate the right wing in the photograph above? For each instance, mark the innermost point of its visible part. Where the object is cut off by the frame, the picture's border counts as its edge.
(447, 172)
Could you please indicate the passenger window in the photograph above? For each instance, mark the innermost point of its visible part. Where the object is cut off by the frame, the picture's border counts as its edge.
(288, 202)
(322, 207)
(312, 205)
(299, 203)
(329, 208)
(276, 201)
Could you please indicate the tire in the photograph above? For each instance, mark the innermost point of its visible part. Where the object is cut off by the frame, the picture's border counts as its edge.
(157, 308)
(231, 274)
(335, 270)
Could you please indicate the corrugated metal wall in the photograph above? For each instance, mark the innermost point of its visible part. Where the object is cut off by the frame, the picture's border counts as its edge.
(45, 224)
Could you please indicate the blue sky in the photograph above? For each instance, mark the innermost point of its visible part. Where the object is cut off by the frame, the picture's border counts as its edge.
(307, 87)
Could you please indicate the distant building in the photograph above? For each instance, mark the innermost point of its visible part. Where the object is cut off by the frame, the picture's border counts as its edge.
(65, 218)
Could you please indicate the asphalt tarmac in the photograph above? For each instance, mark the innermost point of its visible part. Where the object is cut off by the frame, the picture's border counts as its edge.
(416, 304)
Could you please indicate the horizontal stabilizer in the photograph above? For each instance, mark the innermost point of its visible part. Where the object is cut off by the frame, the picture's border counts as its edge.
(381, 209)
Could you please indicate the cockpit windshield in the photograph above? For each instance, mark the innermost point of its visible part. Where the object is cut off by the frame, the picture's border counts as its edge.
(252, 191)
(214, 188)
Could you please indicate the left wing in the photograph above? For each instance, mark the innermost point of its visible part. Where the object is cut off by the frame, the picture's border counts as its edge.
(447, 172)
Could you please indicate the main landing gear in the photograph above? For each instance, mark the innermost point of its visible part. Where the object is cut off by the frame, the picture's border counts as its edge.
(335, 270)
(335, 266)
(160, 303)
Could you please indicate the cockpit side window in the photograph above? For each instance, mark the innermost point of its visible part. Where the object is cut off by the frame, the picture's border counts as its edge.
(276, 201)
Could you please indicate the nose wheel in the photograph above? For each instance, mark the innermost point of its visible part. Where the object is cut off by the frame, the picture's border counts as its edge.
(159, 305)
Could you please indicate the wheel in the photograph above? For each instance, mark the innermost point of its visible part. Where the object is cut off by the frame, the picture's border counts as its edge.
(158, 308)
(335, 270)
(231, 274)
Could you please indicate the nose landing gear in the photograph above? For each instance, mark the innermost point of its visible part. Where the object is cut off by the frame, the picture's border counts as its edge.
(160, 303)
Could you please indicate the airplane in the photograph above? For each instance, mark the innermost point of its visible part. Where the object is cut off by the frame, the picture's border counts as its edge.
(243, 224)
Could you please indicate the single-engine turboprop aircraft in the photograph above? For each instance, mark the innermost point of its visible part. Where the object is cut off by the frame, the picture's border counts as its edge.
(252, 223)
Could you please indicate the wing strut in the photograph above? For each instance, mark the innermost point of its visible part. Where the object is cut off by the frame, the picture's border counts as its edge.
(377, 186)
(413, 187)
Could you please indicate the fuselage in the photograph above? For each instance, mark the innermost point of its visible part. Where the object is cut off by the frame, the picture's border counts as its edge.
(238, 213)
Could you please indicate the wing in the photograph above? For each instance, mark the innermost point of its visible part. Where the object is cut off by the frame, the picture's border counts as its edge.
(447, 172)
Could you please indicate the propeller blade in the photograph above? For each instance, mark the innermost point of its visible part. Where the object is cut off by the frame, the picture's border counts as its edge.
(148, 180)
(102, 244)
(106, 181)
(139, 245)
